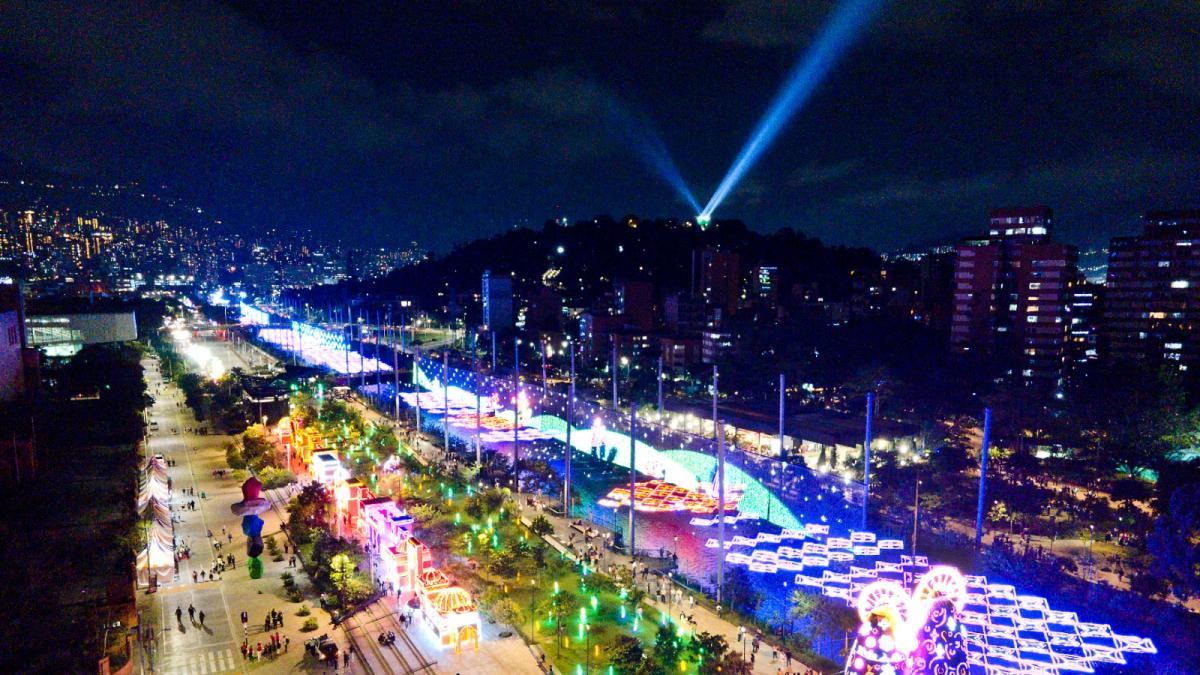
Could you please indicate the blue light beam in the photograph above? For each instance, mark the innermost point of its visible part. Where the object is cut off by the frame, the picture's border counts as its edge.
(637, 131)
(844, 25)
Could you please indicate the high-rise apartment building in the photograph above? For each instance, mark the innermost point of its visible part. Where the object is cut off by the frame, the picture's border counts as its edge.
(1011, 296)
(719, 279)
(497, 302)
(1152, 304)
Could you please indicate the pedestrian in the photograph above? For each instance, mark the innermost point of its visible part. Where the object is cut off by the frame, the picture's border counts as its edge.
(245, 622)
(191, 614)
(245, 648)
(286, 642)
(194, 573)
(178, 615)
(346, 659)
(201, 618)
(230, 535)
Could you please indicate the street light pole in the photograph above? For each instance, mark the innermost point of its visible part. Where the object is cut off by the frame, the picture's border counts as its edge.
(475, 372)
(613, 339)
(517, 415)
(720, 513)
(632, 478)
(916, 515)
(446, 397)
(570, 422)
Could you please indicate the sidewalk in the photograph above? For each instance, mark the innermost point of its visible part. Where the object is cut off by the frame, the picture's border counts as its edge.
(215, 647)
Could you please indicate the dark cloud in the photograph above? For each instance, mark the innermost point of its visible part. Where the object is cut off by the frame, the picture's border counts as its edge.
(443, 121)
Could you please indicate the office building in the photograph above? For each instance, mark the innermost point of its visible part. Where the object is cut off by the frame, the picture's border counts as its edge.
(1011, 292)
(1152, 304)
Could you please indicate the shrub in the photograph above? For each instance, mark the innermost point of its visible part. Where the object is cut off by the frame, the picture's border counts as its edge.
(273, 477)
(541, 526)
(303, 611)
(310, 624)
(287, 579)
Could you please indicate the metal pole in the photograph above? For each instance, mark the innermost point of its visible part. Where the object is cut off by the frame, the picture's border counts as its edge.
(517, 414)
(570, 422)
(346, 332)
(782, 394)
(916, 515)
(417, 386)
(614, 371)
(446, 397)
(362, 357)
(395, 367)
(493, 332)
(720, 514)
(378, 363)
(475, 371)
(867, 457)
(983, 464)
(632, 478)
(660, 390)
(542, 349)
(716, 433)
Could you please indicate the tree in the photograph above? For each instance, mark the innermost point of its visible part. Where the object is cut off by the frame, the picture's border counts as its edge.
(1000, 513)
(624, 655)
(1173, 543)
(740, 592)
(708, 651)
(341, 575)
(802, 603)
(1136, 420)
(951, 458)
(830, 618)
(541, 526)
(667, 648)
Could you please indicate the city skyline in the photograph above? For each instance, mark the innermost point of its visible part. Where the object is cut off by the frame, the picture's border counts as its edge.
(371, 125)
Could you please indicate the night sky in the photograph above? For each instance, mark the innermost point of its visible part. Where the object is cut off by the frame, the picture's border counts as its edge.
(441, 121)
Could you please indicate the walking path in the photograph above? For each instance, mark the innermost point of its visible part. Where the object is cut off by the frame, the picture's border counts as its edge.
(186, 646)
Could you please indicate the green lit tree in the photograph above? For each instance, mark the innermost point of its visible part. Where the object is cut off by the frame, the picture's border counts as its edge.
(624, 655)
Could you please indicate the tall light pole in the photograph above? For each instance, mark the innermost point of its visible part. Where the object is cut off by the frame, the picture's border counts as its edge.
(867, 440)
(475, 378)
(632, 478)
(446, 397)
(517, 414)
(716, 378)
(916, 515)
(417, 386)
(395, 368)
(542, 349)
(660, 390)
(570, 449)
(983, 465)
(613, 338)
(782, 394)
(720, 514)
